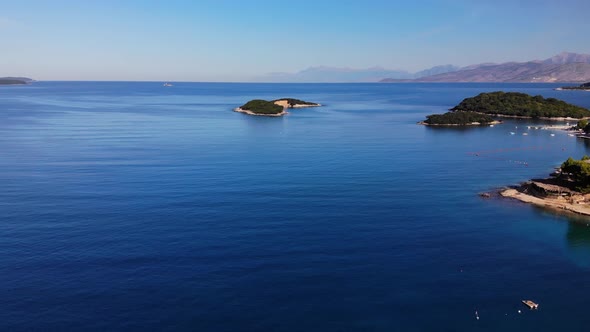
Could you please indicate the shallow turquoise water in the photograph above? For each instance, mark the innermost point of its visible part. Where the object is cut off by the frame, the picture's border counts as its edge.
(129, 206)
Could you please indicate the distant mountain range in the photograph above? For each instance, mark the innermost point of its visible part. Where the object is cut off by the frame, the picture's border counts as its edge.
(564, 67)
(325, 74)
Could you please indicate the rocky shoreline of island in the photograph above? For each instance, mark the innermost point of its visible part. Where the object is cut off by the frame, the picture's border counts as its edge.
(568, 188)
(575, 206)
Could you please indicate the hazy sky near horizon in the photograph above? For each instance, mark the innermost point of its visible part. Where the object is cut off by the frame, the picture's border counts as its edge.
(223, 40)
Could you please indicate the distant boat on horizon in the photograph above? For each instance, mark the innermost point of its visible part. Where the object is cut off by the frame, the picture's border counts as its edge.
(167, 84)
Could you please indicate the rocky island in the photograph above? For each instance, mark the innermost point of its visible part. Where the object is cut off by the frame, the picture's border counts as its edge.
(277, 107)
(481, 109)
(568, 188)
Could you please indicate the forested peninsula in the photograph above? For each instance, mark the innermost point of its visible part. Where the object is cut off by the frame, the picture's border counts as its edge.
(585, 86)
(277, 107)
(516, 104)
(482, 109)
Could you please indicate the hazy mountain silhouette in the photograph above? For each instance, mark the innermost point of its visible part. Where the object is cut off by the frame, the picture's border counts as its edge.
(564, 67)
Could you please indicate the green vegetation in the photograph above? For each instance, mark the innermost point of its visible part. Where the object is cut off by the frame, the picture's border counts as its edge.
(578, 172)
(582, 124)
(260, 106)
(458, 118)
(292, 101)
(520, 104)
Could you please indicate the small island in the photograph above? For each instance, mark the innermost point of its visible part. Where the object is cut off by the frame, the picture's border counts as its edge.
(15, 80)
(584, 86)
(568, 188)
(277, 107)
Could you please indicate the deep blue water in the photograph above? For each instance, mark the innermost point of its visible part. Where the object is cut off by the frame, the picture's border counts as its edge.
(130, 206)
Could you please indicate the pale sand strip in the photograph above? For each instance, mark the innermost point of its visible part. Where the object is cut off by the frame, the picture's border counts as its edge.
(305, 105)
(547, 202)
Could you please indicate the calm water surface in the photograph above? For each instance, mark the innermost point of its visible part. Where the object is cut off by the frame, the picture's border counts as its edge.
(130, 206)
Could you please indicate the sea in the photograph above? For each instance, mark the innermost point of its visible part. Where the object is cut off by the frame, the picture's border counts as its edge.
(130, 206)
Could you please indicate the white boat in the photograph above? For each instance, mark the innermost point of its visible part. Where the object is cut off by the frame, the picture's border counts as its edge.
(572, 135)
(512, 133)
(552, 134)
(167, 84)
(492, 126)
(524, 134)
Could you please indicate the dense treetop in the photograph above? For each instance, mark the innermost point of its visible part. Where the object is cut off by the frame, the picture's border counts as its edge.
(260, 106)
(578, 171)
(520, 104)
(458, 118)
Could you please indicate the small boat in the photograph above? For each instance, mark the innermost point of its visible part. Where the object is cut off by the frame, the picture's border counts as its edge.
(512, 133)
(552, 134)
(492, 126)
(532, 305)
(525, 134)
(167, 84)
(572, 135)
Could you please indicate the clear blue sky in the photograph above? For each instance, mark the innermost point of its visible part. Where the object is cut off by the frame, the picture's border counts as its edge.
(222, 40)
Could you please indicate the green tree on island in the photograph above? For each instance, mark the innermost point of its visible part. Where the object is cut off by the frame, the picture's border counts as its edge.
(578, 172)
(260, 106)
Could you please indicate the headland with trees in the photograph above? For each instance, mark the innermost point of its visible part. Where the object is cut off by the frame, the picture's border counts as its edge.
(482, 108)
